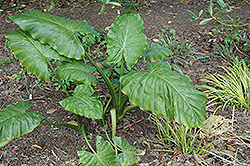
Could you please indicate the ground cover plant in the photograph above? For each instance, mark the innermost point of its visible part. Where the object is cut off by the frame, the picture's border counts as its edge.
(179, 46)
(129, 4)
(39, 42)
(234, 31)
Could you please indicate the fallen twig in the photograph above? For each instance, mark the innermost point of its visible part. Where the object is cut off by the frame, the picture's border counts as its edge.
(129, 125)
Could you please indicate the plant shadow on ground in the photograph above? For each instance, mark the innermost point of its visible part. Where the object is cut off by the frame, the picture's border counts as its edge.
(52, 145)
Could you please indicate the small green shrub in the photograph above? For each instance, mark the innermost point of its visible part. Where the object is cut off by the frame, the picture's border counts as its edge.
(179, 46)
(172, 133)
(131, 4)
(128, 4)
(226, 52)
(233, 30)
(232, 87)
(180, 139)
(53, 4)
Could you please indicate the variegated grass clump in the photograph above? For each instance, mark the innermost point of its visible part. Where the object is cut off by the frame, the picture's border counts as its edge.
(231, 87)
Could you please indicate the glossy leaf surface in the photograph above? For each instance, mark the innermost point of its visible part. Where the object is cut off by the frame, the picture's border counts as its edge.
(81, 103)
(60, 33)
(155, 52)
(166, 92)
(32, 53)
(126, 39)
(105, 155)
(15, 122)
(77, 71)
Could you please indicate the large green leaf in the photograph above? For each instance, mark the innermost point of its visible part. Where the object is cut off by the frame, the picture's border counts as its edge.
(33, 55)
(105, 155)
(77, 71)
(126, 39)
(5, 142)
(15, 122)
(130, 155)
(60, 33)
(83, 104)
(155, 52)
(167, 93)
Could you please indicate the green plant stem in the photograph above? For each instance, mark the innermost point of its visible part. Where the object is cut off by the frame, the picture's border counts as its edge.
(81, 125)
(106, 107)
(59, 80)
(63, 124)
(106, 133)
(103, 7)
(86, 139)
(106, 79)
(84, 133)
(64, 88)
(113, 121)
(122, 105)
(103, 102)
(230, 25)
(120, 117)
(120, 85)
(124, 101)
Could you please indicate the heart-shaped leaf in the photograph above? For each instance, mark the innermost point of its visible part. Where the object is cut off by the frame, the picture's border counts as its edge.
(83, 104)
(104, 156)
(155, 52)
(33, 55)
(77, 71)
(60, 33)
(83, 90)
(15, 122)
(167, 93)
(130, 155)
(126, 39)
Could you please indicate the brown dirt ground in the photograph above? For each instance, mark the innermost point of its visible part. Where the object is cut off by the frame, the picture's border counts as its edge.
(51, 145)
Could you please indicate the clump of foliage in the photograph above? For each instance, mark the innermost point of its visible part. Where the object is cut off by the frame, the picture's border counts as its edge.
(128, 4)
(179, 46)
(226, 52)
(173, 133)
(131, 4)
(53, 3)
(234, 30)
(43, 38)
(180, 139)
(231, 87)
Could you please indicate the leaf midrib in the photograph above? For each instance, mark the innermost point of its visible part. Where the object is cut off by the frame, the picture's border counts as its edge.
(60, 25)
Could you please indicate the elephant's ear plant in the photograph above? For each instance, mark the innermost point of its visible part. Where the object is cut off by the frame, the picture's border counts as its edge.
(43, 37)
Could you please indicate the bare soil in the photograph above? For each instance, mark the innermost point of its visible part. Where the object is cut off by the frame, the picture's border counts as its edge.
(51, 145)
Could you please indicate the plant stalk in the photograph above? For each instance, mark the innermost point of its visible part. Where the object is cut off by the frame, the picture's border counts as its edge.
(120, 85)
(120, 117)
(111, 142)
(106, 107)
(122, 105)
(86, 139)
(113, 121)
(59, 80)
(106, 79)
(80, 125)
(63, 124)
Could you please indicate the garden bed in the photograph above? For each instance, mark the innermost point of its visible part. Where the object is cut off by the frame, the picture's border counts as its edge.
(57, 145)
